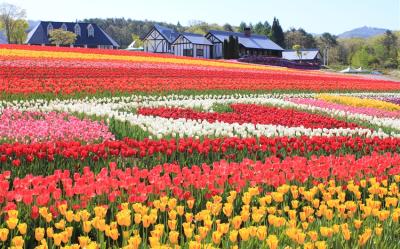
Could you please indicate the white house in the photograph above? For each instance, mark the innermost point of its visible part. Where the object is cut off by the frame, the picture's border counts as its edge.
(159, 39)
(192, 45)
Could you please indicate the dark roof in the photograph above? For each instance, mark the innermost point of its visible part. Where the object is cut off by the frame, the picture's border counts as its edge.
(195, 39)
(169, 34)
(252, 41)
(306, 54)
(38, 35)
(3, 38)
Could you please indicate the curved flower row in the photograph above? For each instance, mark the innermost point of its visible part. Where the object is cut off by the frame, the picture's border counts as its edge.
(252, 114)
(31, 127)
(350, 109)
(119, 108)
(360, 102)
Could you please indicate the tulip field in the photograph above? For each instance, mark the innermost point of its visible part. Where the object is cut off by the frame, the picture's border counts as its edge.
(116, 149)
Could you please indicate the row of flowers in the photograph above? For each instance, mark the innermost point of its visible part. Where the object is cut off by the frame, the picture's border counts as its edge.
(360, 102)
(119, 108)
(226, 205)
(252, 114)
(56, 80)
(42, 158)
(32, 127)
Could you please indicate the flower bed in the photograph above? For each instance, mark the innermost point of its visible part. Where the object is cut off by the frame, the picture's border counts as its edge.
(32, 127)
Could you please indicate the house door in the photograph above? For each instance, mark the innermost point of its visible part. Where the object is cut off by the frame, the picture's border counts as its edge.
(211, 48)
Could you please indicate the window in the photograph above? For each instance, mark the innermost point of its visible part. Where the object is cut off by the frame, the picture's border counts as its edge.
(90, 30)
(77, 30)
(188, 52)
(200, 52)
(64, 27)
(49, 28)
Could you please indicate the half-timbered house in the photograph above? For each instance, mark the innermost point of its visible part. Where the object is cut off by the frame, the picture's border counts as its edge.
(192, 45)
(249, 44)
(159, 39)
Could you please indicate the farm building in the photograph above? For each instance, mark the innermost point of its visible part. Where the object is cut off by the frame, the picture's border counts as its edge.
(192, 45)
(88, 35)
(305, 55)
(159, 39)
(250, 44)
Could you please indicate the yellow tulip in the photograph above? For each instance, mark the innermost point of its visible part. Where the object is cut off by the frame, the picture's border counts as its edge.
(173, 237)
(12, 223)
(216, 237)
(87, 226)
(244, 234)
(39, 233)
(203, 231)
(4, 234)
(233, 236)
(321, 245)
(22, 228)
(18, 241)
(194, 245)
(272, 242)
(261, 232)
(83, 241)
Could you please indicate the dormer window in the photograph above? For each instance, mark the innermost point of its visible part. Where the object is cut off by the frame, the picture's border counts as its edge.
(49, 28)
(77, 30)
(90, 30)
(64, 27)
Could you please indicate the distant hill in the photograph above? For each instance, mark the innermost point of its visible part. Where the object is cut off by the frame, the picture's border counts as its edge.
(363, 32)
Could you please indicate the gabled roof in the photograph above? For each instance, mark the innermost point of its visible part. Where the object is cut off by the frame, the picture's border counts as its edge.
(252, 41)
(38, 35)
(195, 39)
(306, 54)
(169, 34)
(3, 38)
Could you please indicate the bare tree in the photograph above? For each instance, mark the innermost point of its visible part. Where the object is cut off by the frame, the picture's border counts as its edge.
(9, 13)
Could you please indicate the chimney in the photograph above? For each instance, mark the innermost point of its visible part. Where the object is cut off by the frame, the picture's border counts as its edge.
(247, 32)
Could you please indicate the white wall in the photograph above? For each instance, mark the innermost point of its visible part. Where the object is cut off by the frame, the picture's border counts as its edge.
(155, 46)
(217, 50)
(178, 48)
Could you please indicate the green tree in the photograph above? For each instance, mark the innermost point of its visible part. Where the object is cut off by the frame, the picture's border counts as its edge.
(299, 37)
(179, 27)
(226, 49)
(364, 58)
(297, 48)
(9, 14)
(277, 33)
(267, 28)
(228, 27)
(137, 40)
(19, 35)
(242, 26)
(62, 37)
(259, 28)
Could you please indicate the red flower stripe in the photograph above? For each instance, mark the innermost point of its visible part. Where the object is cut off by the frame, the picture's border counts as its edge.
(136, 185)
(254, 114)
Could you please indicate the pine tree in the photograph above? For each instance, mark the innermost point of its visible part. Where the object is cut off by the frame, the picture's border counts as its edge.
(225, 49)
(231, 47)
(277, 33)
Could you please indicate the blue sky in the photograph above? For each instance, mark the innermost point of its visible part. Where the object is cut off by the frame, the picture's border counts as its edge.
(316, 16)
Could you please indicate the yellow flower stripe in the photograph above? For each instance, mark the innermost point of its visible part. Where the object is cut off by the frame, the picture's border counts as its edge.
(133, 58)
(359, 102)
(313, 217)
